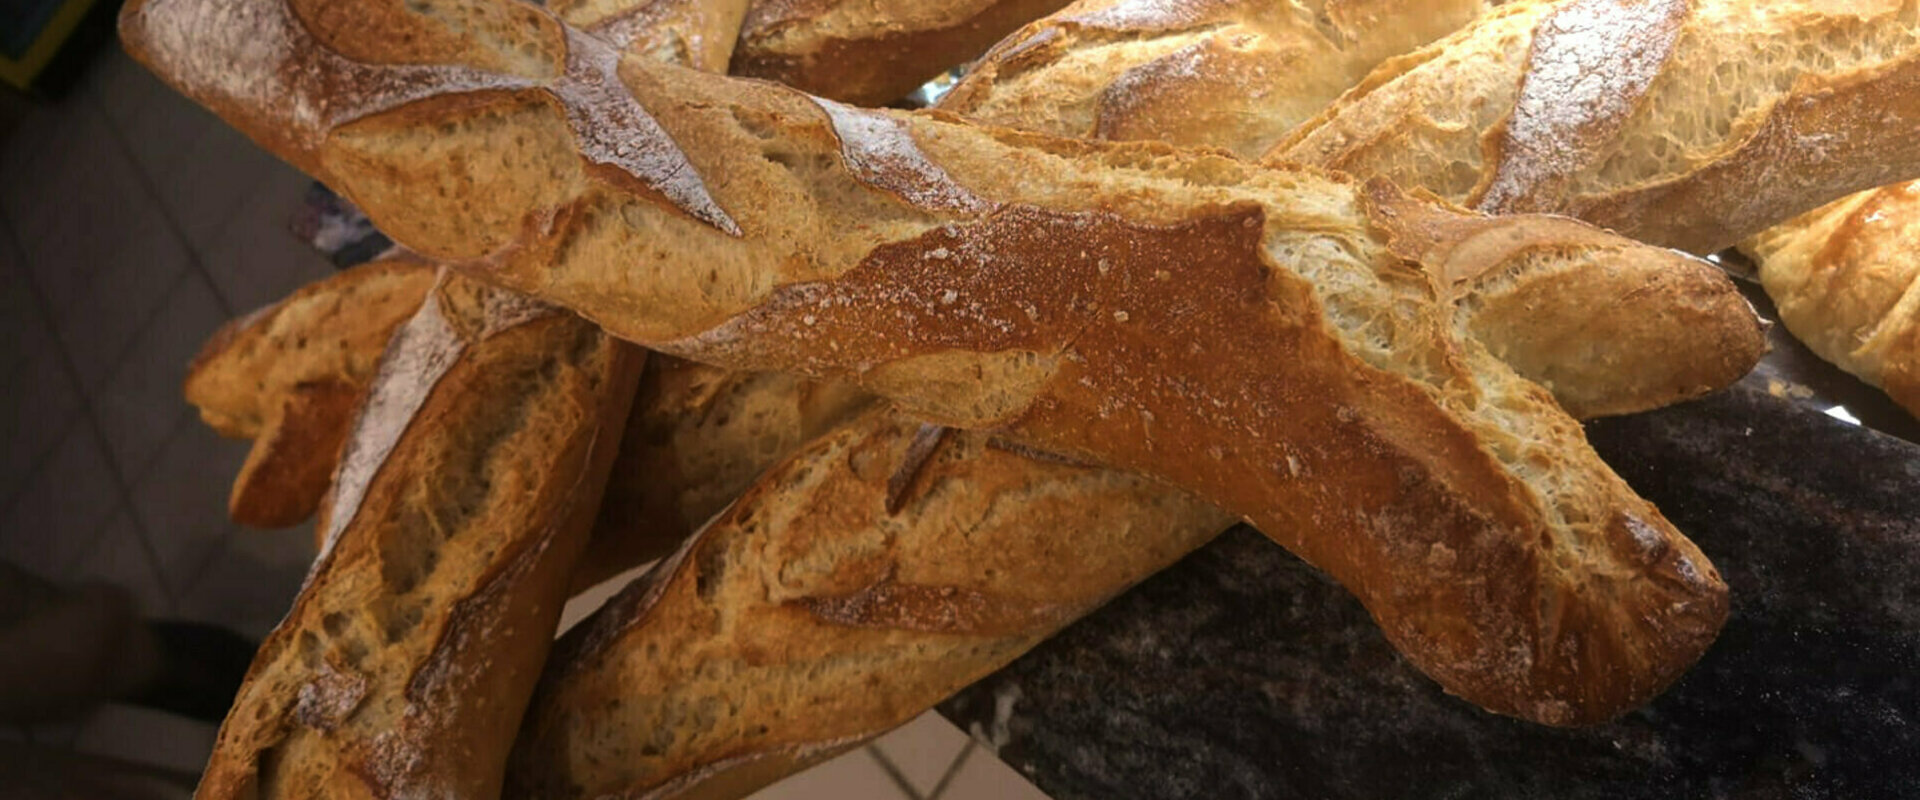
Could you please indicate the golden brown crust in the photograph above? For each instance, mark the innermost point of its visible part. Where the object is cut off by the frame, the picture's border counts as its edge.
(1234, 74)
(1206, 72)
(287, 377)
(291, 463)
(808, 617)
(1687, 124)
(431, 594)
(698, 437)
(1251, 334)
(871, 52)
(1846, 280)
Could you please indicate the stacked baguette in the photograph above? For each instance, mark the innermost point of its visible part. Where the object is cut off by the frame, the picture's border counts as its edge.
(1691, 124)
(463, 497)
(1480, 496)
(871, 52)
(1415, 325)
(289, 376)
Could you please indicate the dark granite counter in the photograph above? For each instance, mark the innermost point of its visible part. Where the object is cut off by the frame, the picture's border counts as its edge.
(1241, 672)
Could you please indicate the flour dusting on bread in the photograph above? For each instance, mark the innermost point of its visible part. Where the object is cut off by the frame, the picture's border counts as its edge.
(421, 352)
(1591, 62)
(612, 128)
(880, 151)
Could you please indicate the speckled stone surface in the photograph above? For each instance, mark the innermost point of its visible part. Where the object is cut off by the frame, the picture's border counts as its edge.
(1241, 672)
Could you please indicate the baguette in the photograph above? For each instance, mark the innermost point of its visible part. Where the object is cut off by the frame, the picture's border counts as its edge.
(1306, 370)
(460, 505)
(1233, 74)
(697, 438)
(1686, 124)
(406, 661)
(1847, 282)
(1239, 75)
(871, 52)
(700, 434)
(808, 617)
(288, 377)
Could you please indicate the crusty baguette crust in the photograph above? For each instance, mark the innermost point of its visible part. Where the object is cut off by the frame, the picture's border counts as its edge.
(1686, 124)
(1233, 74)
(1240, 74)
(288, 376)
(1846, 279)
(1303, 328)
(871, 52)
(432, 594)
(808, 617)
(698, 437)
(697, 33)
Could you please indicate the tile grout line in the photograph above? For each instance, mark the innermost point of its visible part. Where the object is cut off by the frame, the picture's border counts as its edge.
(953, 769)
(152, 191)
(125, 489)
(893, 772)
(125, 496)
(196, 265)
(39, 460)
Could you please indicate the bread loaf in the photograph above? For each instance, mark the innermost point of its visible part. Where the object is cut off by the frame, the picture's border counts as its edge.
(698, 437)
(1846, 279)
(697, 33)
(1270, 339)
(289, 375)
(872, 52)
(808, 617)
(1240, 75)
(1233, 74)
(1691, 124)
(406, 661)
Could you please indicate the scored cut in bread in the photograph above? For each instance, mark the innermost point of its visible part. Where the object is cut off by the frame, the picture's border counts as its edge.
(1239, 74)
(1233, 74)
(698, 437)
(467, 489)
(1846, 278)
(461, 503)
(289, 375)
(809, 617)
(871, 52)
(1686, 123)
(1275, 340)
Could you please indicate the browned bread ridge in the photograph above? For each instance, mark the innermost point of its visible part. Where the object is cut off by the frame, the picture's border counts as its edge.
(1233, 74)
(871, 52)
(1239, 74)
(467, 489)
(289, 375)
(1276, 340)
(1686, 123)
(809, 617)
(1846, 278)
(697, 33)
(698, 437)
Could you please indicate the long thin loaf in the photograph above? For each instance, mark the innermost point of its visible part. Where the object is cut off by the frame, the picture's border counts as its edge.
(1237, 331)
(828, 605)
(403, 667)
(289, 376)
(871, 52)
(1687, 123)
(464, 495)
(1234, 74)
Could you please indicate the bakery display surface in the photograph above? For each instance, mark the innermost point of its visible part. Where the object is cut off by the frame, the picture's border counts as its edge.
(924, 392)
(1284, 689)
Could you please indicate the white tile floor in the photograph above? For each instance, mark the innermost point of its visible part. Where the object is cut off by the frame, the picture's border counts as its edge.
(134, 225)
